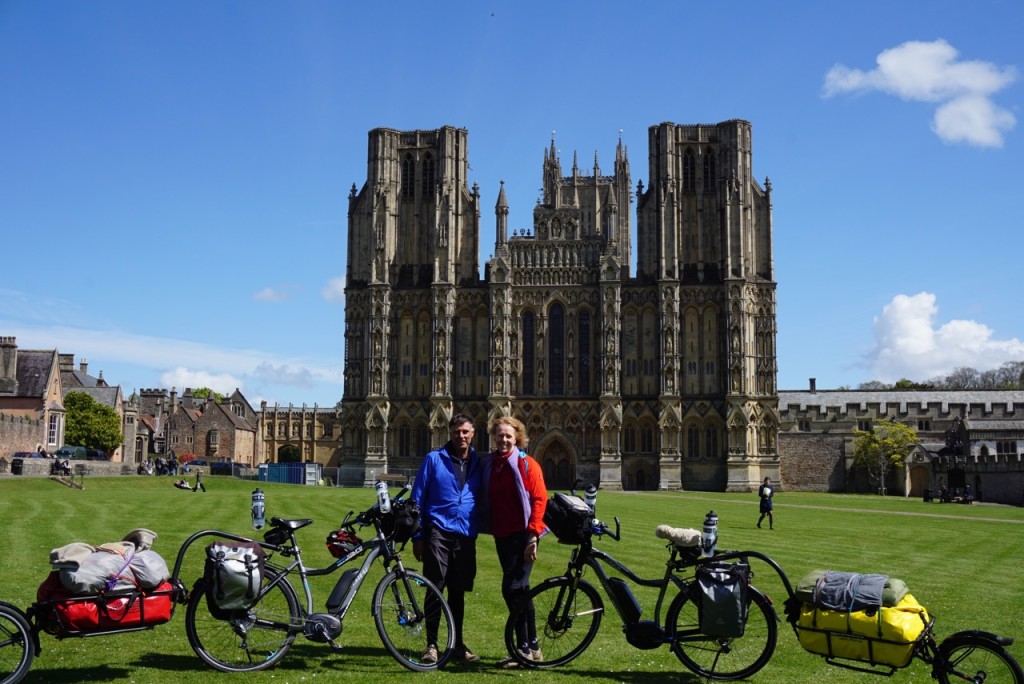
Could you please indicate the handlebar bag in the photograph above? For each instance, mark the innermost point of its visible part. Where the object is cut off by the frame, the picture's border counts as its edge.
(402, 521)
(233, 574)
(569, 517)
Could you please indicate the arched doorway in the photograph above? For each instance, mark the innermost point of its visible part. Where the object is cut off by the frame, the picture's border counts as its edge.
(558, 465)
(920, 479)
(289, 453)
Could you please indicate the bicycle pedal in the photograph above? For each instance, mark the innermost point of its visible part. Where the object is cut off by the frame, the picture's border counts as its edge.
(335, 646)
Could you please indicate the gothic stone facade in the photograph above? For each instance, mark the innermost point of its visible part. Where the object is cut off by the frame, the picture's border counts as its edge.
(665, 378)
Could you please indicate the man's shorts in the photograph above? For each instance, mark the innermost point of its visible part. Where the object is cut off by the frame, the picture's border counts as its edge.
(449, 559)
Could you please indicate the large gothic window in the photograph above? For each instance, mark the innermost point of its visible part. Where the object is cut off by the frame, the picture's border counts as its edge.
(709, 171)
(556, 349)
(528, 352)
(711, 442)
(693, 442)
(584, 352)
(408, 171)
(689, 172)
(428, 176)
(463, 354)
(422, 439)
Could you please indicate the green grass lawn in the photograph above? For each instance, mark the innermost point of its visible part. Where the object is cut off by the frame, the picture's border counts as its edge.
(962, 562)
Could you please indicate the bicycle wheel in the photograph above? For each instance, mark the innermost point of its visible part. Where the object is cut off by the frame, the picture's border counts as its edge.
(717, 657)
(403, 606)
(253, 641)
(17, 646)
(973, 658)
(568, 616)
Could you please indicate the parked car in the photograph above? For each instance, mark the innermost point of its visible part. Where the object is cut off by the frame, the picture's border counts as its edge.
(215, 467)
(96, 455)
(27, 454)
(70, 453)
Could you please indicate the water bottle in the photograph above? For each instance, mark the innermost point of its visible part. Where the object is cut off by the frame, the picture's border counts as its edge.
(709, 536)
(590, 497)
(383, 497)
(259, 509)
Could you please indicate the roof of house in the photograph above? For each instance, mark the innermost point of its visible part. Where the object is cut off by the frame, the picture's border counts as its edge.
(33, 371)
(105, 396)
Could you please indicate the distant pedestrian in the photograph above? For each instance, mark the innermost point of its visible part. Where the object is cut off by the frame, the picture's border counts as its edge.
(766, 492)
(199, 481)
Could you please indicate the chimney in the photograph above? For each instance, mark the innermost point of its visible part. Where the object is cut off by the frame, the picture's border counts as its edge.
(8, 365)
(83, 366)
(814, 385)
(67, 362)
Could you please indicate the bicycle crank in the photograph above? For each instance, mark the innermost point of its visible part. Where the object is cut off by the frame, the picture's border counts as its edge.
(323, 628)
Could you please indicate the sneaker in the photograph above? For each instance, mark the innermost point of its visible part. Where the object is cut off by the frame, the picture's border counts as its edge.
(509, 662)
(463, 654)
(535, 655)
(429, 655)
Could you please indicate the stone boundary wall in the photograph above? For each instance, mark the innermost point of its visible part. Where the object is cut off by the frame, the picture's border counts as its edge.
(812, 462)
(40, 467)
(20, 433)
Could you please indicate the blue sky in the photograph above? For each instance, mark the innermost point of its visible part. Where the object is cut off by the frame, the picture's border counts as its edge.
(174, 175)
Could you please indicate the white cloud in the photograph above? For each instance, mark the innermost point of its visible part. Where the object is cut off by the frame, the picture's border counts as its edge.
(334, 290)
(908, 345)
(269, 294)
(283, 375)
(182, 378)
(931, 72)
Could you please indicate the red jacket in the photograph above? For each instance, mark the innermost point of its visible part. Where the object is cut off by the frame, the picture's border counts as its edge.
(516, 507)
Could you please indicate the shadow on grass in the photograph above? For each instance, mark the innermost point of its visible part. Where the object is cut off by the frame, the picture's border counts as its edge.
(75, 675)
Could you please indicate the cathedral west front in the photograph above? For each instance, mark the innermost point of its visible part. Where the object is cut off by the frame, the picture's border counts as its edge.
(660, 379)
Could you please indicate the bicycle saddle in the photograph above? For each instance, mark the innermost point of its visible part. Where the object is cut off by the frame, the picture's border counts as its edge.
(683, 537)
(291, 524)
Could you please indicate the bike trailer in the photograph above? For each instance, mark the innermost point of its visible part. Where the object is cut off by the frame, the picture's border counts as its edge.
(882, 636)
(62, 613)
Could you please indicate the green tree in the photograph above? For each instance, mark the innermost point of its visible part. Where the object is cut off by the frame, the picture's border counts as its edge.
(207, 393)
(883, 448)
(90, 424)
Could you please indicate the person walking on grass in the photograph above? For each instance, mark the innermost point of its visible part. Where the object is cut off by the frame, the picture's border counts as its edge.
(766, 492)
(447, 488)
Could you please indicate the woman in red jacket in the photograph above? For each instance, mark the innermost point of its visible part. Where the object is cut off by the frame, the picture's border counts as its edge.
(517, 498)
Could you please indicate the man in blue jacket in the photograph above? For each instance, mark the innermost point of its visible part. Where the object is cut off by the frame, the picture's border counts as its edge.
(447, 488)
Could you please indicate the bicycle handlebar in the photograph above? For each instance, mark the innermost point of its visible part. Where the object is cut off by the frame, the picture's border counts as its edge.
(371, 514)
(601, 529)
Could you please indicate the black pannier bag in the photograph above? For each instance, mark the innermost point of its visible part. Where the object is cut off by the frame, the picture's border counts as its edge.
(569, 518)
(720, 591)
(233, 573)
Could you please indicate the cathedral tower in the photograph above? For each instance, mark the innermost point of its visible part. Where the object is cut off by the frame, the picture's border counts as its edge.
(660, 379)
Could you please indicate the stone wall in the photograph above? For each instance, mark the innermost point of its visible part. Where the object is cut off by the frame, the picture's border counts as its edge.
(20, 433)
(812, 462)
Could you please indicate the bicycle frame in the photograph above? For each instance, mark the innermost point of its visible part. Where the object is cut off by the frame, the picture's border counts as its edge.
(377, 547)
(589, 556)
